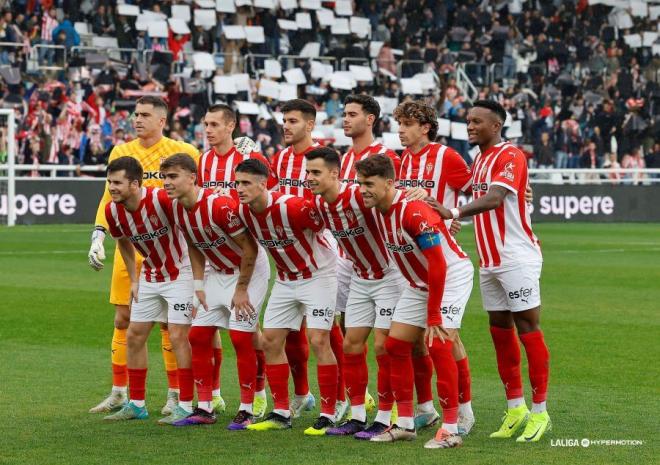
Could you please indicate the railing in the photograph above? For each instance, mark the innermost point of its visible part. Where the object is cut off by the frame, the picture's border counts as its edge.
(401, 63)
(52, 170)
(290, 58)
(346, 61)
(465, 84)
(46, 52)
(113, 52)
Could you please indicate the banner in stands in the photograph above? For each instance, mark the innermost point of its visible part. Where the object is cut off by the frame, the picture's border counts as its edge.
(594, 203)
(61, 201)
(55, 201)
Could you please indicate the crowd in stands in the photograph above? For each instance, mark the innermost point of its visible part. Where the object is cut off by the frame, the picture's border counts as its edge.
(579, 78)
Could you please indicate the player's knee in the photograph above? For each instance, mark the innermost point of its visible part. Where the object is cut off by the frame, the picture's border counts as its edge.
(198, 337)
(353, 345)
(271, 343)
(178, 335)
(320, 341)
(241, 341)
(419, 348)
(379, 347)
(122, 316)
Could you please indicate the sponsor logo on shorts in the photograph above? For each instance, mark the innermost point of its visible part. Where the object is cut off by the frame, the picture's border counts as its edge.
(326, 313)
(246, 320)
(183, 307)
(344, 233)
(385, 311)
(403, 248)
(272, 244)
(210, 245)
(150, 236)
(450, 312)
(524, 293)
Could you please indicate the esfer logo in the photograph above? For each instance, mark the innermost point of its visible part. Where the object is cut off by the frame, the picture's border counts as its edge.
(524, 293)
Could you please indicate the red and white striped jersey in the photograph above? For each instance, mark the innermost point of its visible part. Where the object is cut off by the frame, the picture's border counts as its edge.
(399, 227)
(504, 235)
(291, 230)
(443, 173)
(218, 170)
(347, 173)
(210, 226)
(290, 168)
(152, 230)
(355, 228)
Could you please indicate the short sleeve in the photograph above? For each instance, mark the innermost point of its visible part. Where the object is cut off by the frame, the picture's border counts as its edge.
(225, 214)
(510, 170)
(457, 171)
(419, 219)
(115, 232)
(305, 213)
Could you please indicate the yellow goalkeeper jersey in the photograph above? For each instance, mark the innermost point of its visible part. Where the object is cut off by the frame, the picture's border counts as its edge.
(150, 159)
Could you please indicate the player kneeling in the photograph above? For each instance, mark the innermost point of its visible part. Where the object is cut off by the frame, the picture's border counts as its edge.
(142, 219)
(237, 276)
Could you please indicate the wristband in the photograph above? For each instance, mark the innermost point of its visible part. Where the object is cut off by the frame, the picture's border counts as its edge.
(199, 284)
(98, 233)
(455, 213)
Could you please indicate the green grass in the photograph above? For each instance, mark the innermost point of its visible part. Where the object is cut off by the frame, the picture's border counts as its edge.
(600, 288)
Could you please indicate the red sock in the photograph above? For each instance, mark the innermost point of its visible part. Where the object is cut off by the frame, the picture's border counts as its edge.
(246, 362)
(297, 352)
(423, 367)
(464, 381)
(327, 377)
(385, 397)
(173, 379)
(186, 384)
(119, 375)
(137, 383)
(261, 371)
(446, 379)
(278, 379)
(357, 377)
(337, 344)
(538, 359)
(201, 345)
(217, 363)
(508, 360)
(401, 375)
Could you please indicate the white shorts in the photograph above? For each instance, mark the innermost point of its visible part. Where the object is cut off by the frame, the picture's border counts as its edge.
(219, 288)
(371, 302)
(290, 301)
(344, 277)
(412, 307)
(167, 302)
(514, 288)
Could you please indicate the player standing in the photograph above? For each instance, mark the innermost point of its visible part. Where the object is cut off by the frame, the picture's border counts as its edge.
(413, 236)
(150, 148)
(510, 263)
(306, 285)
(441, 173)
(237, 276)
(141, 218)
(375, 286)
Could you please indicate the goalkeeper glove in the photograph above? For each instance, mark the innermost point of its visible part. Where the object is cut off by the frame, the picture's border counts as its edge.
(97, 251)
(245, 145)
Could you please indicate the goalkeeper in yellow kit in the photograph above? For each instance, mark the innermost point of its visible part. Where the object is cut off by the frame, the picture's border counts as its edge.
(150, 149)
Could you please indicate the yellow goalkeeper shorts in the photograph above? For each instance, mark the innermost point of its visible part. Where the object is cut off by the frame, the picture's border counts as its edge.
(120, 287)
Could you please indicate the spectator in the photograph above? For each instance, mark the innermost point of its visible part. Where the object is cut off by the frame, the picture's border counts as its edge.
(544, 152)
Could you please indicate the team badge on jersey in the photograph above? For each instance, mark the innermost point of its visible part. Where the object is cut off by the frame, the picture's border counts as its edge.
(350, 215)
(208, 229)
(279, 230)
(429, 168)
(399, 234)
(154, 220)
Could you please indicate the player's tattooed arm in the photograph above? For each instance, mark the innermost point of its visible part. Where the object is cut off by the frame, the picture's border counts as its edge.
(127, 252)
(241, 299)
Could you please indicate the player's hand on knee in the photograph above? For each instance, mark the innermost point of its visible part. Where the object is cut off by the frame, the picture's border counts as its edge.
(96, 253)
(432, 332)
(455, 227)
(245, 145)
(416, 193)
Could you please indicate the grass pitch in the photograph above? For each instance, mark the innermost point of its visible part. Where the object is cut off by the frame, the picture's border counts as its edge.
(601, 302)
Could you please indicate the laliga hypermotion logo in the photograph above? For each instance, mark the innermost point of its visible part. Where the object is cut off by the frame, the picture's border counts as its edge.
(507, 172)
(232, 219)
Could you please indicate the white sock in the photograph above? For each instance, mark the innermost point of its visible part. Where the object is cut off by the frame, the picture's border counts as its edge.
(384, 417)
(538, 408)
(246, 407)
(138, 403)
(172, 390)
(187, 405)
(282, 412)
(120, 389)
(216, 393)
(358, 412)
(517, 402)
(451, 427)
(302, 397)
(406, 422)
(465, 409)
(205, 405)
(261, 394)
(426, 407)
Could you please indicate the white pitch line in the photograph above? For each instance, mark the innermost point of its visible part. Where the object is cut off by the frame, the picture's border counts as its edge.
(576, 251)
(44, 252)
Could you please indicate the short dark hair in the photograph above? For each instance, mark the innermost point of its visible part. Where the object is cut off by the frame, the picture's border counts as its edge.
(329, 156)
(303, 106)
(252, 166)
(493, 106)
(157, 102)
(179, 160)
(376, 165)
(369, 104)
(131, 167)
(420, 112)
(227, 112)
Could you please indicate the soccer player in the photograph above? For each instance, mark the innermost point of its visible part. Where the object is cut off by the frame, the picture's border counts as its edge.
(141, 218)
(238, 275)
(375, 286)
(292, 232)
(289, 166)
(216, 170)
(413, 235)
(510, 263)
(149, 149)
(438, 171)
